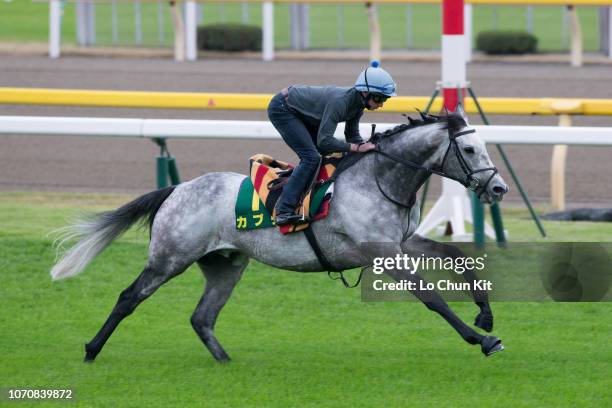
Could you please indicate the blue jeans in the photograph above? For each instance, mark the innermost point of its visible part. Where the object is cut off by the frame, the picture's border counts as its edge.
(301, 138)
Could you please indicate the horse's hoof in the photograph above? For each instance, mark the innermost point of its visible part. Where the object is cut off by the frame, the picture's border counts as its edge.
(490, 345)
(484, 321)
(90, 355)
(221, 356)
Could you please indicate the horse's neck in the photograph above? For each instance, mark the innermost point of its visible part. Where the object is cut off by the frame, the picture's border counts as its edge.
(420, 146)
(423, 145)
(374, 172)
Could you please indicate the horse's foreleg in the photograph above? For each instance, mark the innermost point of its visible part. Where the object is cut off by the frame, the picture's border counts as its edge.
(144, 286)
(434, 301)
(222, 274)
(418, 244)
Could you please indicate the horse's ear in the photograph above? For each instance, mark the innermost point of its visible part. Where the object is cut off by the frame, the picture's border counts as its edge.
(422, 114)
(462, 113)
(409, 119)
(443, 112)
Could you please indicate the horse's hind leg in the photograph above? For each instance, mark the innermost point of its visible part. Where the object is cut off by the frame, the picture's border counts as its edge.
(144, 286)
(222, 274)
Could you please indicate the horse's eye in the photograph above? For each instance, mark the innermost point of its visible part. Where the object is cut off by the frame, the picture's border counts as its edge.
(468, 149)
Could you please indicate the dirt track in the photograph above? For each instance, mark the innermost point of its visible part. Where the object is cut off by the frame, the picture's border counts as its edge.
(121, 165)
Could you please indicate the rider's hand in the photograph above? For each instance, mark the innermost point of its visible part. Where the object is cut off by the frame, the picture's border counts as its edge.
(362, 148)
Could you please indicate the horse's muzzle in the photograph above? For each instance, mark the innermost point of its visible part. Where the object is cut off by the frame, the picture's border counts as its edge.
(496, 190)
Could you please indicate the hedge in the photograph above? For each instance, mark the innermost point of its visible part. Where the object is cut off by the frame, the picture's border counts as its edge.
(229, 37)
(506, 42)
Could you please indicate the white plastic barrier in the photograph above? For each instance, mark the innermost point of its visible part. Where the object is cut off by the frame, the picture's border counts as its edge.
(173, 128)
(453, 205)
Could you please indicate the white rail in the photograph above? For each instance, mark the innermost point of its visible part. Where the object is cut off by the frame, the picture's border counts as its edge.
(171, 128)
(453, 205)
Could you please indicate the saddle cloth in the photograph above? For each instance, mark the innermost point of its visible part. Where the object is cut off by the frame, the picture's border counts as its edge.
(259, 193)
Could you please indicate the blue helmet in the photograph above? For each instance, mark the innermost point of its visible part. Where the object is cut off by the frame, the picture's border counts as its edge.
(374, 79)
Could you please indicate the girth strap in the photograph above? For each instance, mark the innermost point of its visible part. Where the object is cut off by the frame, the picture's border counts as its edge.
(314, 244)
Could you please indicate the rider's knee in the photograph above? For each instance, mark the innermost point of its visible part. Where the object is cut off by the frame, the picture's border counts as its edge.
(311, 158)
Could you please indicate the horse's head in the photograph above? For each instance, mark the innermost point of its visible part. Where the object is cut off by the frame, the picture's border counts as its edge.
(463, 156)
(446, 146)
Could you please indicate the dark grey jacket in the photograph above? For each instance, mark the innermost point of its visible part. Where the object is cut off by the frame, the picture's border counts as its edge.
(325, 107)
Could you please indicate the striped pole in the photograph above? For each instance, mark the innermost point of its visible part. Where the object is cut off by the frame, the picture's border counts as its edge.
(453, 54)
(453, 207)
(454, 84)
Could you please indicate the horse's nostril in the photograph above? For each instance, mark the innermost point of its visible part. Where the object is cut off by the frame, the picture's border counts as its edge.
(500, 189)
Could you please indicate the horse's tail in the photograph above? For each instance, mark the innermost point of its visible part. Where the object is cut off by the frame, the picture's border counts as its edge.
(96, 231)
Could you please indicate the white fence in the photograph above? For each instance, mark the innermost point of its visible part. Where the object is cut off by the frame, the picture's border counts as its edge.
(171, 128)
(453, 206)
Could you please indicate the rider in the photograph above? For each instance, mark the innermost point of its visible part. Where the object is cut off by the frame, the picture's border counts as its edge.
(307, 117)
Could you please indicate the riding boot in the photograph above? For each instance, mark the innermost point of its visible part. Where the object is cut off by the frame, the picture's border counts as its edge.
(286, 206)
(287, 218)
(292, 193)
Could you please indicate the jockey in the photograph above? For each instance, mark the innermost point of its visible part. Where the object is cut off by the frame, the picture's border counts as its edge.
(307, 117)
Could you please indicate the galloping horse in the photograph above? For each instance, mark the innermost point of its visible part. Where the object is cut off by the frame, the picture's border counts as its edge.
(373, 202)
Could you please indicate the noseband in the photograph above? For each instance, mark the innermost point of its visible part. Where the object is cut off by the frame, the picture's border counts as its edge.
(469, 181)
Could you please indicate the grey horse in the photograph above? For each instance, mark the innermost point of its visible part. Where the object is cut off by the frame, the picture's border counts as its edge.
(373, 203)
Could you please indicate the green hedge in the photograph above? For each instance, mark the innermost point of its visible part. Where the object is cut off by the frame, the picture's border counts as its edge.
(506, 42)
(229, 37)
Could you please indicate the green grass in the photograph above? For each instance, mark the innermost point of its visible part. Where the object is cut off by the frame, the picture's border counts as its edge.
(23, 20)
(296, 340)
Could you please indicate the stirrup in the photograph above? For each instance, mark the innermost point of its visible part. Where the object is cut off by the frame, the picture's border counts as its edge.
(289, 218)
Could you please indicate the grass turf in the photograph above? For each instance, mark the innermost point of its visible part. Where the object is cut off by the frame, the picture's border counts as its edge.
(22, 20)
(296, 340)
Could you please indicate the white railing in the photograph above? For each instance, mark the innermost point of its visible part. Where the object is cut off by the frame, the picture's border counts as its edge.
(453, 206)
(229, 129)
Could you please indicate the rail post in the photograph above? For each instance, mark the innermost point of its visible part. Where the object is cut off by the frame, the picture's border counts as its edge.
(162, 172)
(478, 221)
(191, 30)
(267, 15)
(173, 172)
(576, 38)
(559, 154)
(167, 170)
(375, 39)
(55, 28)
(179, 31)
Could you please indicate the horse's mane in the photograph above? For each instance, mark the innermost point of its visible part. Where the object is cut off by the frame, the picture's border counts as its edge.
(452, 120)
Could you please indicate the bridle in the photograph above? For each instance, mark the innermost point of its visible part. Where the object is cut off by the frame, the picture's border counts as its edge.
(469, 181)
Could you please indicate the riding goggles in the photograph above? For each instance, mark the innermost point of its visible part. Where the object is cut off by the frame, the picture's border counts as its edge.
(379, 98)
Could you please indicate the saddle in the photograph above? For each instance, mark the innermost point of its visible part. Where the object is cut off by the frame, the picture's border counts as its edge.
(259, 193)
